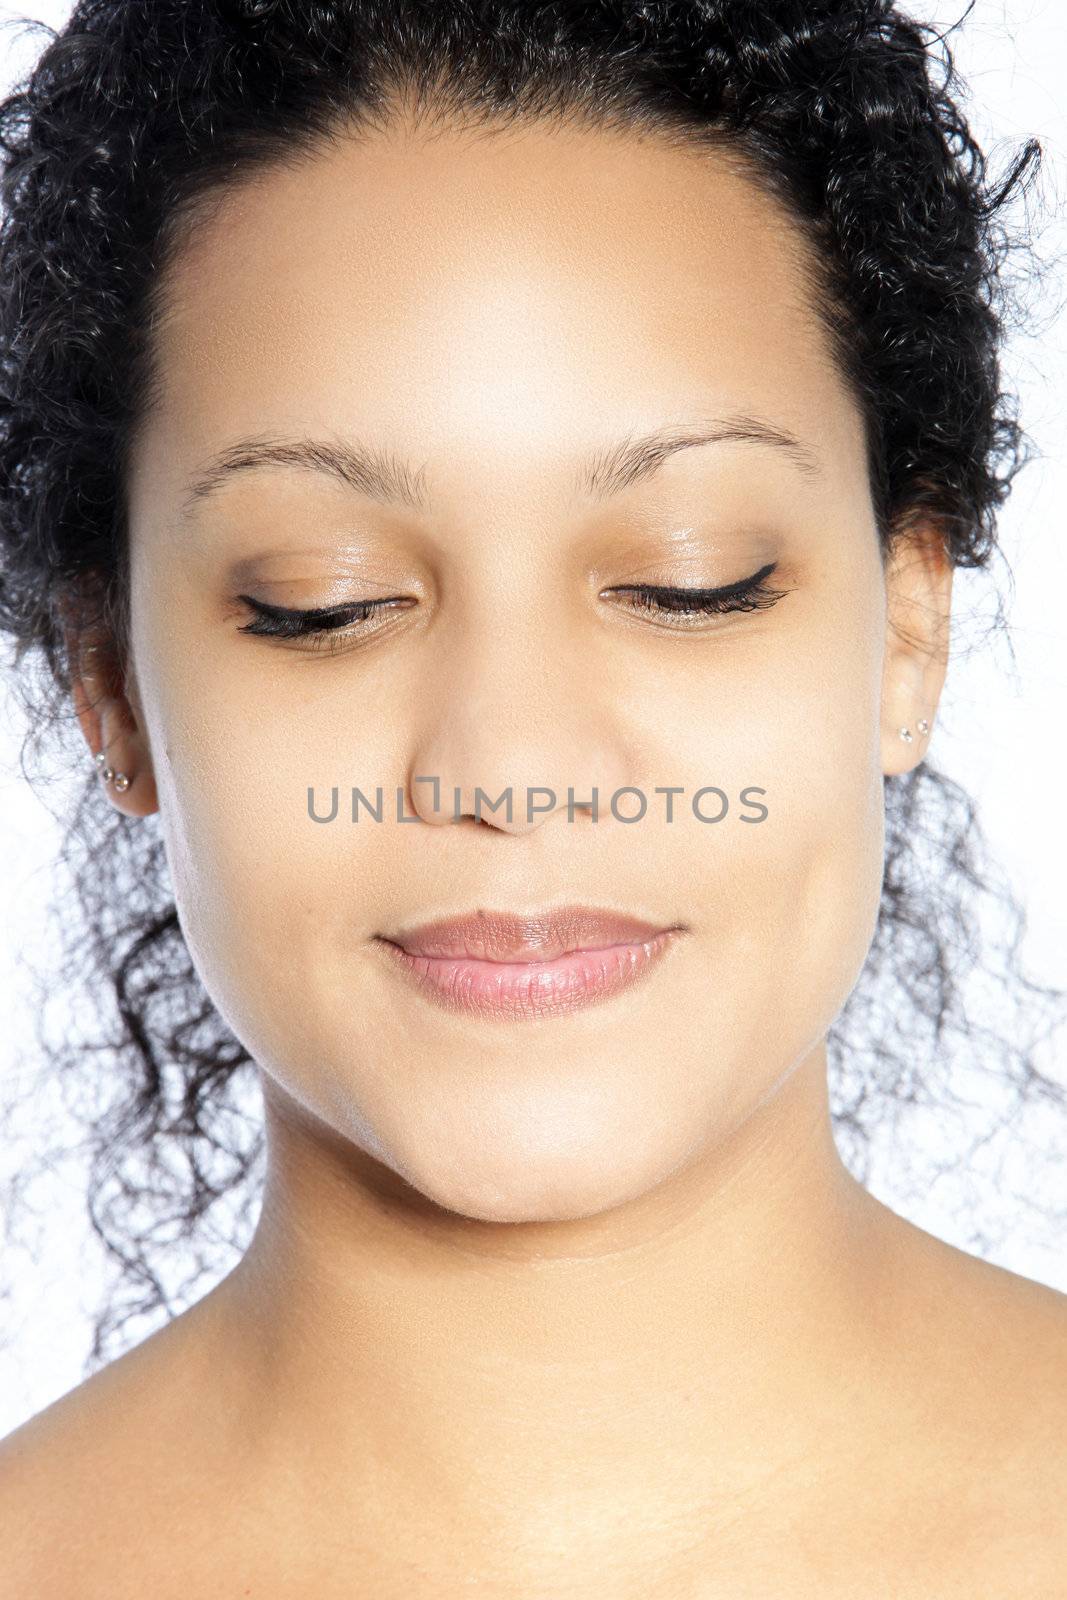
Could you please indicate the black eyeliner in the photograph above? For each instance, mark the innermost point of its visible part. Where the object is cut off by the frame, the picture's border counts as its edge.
(751, 594)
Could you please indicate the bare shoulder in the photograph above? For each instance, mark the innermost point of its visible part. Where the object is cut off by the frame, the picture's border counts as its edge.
(989, 1398)
(112, 1448)
(1004, 1325)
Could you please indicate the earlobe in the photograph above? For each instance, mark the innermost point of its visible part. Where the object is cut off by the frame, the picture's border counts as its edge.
(112, 730)
(907, 713)
(917, 738)
(109, 775)
(918, 615)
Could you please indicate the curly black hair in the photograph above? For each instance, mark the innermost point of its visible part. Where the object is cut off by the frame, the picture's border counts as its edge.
(134, 120)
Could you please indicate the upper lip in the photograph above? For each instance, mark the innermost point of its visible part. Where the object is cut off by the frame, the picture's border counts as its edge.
(526, 936)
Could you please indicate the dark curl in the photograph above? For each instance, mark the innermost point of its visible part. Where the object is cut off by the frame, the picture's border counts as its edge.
(134, 121)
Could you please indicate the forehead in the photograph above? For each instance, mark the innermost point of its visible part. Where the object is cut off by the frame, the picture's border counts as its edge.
(509, 288)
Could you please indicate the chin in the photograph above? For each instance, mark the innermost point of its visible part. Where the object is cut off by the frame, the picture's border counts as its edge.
(552, 1169)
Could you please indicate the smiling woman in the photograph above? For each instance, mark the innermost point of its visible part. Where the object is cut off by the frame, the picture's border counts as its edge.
(602, 399)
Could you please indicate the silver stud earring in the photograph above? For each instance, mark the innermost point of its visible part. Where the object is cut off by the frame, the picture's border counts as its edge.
(924, 726)
(905, 734)
(109, 775)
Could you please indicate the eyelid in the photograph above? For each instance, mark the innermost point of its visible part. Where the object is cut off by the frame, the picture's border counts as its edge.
(750, 594)
(291, 622)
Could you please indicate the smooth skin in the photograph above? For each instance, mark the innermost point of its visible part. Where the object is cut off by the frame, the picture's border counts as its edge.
(585, 1306)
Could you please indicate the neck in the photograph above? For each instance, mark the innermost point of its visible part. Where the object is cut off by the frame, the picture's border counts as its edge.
(559, 1393)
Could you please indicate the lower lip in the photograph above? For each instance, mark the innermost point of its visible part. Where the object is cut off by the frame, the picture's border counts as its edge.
(501, 990)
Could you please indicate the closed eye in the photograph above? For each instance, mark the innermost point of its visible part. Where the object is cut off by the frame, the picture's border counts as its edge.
(322, 625)
(747, 594)
(329, 627)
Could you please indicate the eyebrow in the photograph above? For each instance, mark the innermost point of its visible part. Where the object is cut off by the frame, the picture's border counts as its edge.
(383, 477)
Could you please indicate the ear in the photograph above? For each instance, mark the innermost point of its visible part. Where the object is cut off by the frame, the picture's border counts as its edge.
(918, 578)
(107, 706)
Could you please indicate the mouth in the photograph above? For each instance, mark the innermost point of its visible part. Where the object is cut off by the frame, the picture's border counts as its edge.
(500, 964)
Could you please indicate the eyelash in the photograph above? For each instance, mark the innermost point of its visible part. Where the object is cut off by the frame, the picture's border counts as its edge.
(324, 624)
(748, 594)
(279, 622)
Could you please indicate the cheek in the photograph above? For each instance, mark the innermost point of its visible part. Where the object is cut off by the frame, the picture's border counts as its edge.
(262, 889)
(788, 905)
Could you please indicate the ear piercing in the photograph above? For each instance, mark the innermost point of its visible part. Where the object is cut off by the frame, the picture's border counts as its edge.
(923, 727)
(109, 775)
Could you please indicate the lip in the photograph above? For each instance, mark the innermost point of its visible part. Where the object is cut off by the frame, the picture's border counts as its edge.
(499, 964)
(531, 936)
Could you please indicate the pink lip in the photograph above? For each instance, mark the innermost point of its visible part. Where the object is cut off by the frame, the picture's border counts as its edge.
(496, 964)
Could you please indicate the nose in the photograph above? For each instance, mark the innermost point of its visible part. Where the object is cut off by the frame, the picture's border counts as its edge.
(517, 727)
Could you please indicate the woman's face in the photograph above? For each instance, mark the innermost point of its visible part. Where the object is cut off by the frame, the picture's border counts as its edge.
(493, 313)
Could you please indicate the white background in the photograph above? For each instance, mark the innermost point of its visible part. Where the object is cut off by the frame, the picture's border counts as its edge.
(1000, 732)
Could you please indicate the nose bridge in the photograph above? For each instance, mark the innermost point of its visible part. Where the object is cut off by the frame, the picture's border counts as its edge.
(514, 703)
